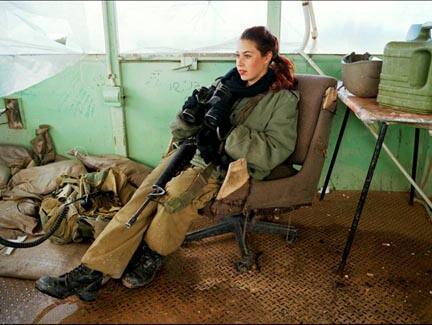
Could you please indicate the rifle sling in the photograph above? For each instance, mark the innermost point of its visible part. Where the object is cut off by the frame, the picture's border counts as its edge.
(175, 204)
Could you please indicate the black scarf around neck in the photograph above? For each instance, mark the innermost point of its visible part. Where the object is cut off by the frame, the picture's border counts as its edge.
(238, 87)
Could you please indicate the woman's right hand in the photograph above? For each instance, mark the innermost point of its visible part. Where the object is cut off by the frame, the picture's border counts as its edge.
(191, 101)
(208, 145)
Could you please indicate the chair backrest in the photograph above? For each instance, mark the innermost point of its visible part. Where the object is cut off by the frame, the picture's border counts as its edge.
(312, 90)
(285, 187)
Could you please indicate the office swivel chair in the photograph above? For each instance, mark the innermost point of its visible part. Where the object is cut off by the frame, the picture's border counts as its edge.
(286, 188)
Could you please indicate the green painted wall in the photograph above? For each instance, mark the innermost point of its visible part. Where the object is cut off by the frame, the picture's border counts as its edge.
(71, 102)
(154, 94)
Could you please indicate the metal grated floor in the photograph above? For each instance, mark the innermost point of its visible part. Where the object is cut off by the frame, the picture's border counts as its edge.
(388, 278)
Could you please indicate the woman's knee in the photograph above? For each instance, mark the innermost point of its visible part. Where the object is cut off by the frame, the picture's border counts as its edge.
(167, 231)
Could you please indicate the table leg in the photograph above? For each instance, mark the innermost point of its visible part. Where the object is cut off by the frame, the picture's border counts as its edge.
(363, 195)
(414, 164)
(335, 153)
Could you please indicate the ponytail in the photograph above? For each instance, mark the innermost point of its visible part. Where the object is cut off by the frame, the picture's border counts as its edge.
(284, 69)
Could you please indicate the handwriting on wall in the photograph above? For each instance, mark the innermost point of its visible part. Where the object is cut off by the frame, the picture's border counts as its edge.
(183, 86)
(155, 80)
(78, 102)
(79, 99)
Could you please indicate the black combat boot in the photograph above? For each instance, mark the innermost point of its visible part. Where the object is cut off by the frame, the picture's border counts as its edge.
(142, 268)
(81, 281)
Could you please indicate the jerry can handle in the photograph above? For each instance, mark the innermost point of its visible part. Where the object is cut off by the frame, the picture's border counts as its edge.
(419, 32)
(425, 31)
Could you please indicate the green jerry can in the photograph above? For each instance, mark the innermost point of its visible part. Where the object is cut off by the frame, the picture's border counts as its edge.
(406, 76)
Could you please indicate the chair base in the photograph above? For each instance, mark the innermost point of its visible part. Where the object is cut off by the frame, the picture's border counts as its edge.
(240, 225)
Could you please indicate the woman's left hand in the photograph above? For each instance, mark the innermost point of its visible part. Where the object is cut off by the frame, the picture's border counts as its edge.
(208, 144)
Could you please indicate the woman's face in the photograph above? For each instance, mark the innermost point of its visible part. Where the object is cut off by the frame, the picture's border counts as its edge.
(250, 64)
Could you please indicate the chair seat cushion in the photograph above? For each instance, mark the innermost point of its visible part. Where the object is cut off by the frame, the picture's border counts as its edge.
(282, 171)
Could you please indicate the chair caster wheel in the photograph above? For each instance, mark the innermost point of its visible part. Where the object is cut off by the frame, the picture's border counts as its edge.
(246, 263)
(291, 238)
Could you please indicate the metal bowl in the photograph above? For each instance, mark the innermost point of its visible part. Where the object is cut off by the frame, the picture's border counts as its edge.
(361, 74)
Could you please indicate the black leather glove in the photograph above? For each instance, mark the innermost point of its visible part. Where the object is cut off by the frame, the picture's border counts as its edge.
(194, 108)
(191, 101)
(225, 160)
(224, 129)
(208, 144)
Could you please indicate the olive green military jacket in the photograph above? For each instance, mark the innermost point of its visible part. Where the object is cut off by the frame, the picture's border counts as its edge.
(265, 138)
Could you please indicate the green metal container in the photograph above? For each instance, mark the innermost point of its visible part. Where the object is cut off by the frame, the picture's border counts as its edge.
(406, 76)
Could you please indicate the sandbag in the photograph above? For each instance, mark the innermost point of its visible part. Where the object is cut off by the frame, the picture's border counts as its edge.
(14, 157)
(44, 259)
(5, 174)
(43, 147)
(134, 171)
(21, 214)
(41, 180)
(10, 233)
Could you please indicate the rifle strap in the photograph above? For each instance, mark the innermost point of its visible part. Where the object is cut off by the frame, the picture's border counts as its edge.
(249, 106)
(175, 204)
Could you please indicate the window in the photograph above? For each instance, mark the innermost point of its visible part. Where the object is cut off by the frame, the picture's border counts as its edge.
(185, 26)
(359, 26)
(46, 27)
(292, 26)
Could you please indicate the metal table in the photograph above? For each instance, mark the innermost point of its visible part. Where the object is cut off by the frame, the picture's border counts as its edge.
(369, 111)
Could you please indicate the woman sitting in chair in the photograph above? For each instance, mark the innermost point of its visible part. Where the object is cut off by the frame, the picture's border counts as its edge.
(260, 99)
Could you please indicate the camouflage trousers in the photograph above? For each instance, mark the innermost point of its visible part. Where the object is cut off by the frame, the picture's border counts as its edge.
(162, 225)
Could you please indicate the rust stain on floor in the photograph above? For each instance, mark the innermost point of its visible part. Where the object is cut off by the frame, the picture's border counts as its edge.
(388, 278)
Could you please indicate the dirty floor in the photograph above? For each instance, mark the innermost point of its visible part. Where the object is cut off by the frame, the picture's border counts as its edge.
(388, 278)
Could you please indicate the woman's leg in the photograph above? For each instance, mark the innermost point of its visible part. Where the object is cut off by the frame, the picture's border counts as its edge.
(168, 228)
(186, 194)
(113, 248)
(110, 252)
